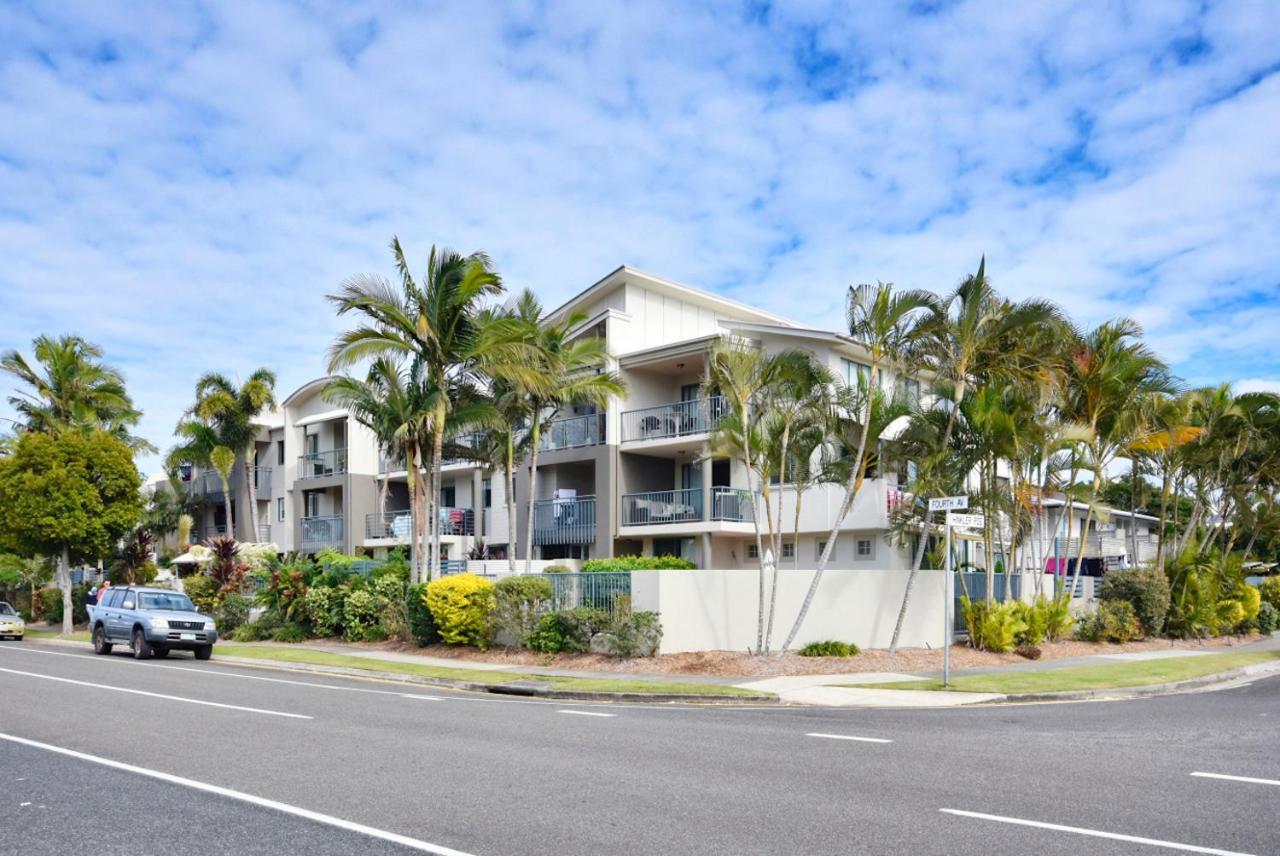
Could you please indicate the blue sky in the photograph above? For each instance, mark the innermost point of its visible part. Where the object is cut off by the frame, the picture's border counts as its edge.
(183, 182)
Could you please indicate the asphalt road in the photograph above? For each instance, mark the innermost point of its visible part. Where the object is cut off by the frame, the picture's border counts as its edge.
(491, 776)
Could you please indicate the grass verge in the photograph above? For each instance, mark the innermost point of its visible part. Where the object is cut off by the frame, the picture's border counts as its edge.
(348, 661)
(78, 636)
(1139, 673)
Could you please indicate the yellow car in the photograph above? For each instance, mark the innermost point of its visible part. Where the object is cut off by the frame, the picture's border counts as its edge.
(11, 624)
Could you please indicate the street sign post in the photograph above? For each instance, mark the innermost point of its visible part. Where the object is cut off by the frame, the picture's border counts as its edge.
(951, 504)
(967, 521)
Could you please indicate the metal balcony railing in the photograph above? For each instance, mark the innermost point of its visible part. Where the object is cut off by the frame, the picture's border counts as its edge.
(573, 432)
(317, 465)
(262, 482)
(677, 419)
(661, 506)
(397, 524)
(732, 504)
(564, 521)
(321, 532)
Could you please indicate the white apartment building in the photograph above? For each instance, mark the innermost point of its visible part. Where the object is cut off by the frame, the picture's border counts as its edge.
(632, 479)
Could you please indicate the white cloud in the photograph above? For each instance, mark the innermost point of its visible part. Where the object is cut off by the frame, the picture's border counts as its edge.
(184, 185)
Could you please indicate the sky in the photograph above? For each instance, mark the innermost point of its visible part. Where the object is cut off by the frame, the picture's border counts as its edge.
(183, 183)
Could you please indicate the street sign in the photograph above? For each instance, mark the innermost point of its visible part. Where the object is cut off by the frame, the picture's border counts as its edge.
(949, 503)
(969, 521)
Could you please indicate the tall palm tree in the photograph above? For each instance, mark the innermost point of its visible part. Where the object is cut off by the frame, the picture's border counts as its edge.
(223, 459)
(69, 386)
(886, 324)
(569, 370)
(434, 322)
(233, 412)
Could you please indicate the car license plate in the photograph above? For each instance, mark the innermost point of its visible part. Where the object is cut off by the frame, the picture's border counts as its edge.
(188, 637)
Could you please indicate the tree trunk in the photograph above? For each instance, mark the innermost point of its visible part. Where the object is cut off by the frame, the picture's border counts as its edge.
(414, 466)
(230, 530)
(65, 584)
(777, 538)
(1133, 512)
(251, 473)
(1165, 485)
(533, 493)
(437, 477)
(511, 503)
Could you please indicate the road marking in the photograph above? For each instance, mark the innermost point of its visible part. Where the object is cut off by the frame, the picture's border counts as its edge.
(585, 713)
(285, 808)
(848, 737)
(157, 695)
(421, 697)
(1094, 833)
(1249, 779)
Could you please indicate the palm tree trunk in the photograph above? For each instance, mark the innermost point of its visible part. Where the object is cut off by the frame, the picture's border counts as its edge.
(1165, 486)
(511, 503)
(777, 555)
(250, 472)
(65, 584)
(795, 530)
(226, 506)
(1133, 511)
(533, 493)
(437, 478)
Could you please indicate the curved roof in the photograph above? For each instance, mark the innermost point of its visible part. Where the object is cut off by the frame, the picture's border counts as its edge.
(307, 390)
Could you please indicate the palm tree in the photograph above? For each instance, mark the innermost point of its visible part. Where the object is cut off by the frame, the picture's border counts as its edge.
(223, 459)
(569, 370)
(69, 386)
(233, 412)
(434, 322)
(885, 323)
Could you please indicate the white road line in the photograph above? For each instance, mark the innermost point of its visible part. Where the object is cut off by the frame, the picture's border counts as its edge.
(848, 737)
(421, 697)
(294, 810)
(1094, 833)
(585, 713)
(1248, 779)
(157, 695)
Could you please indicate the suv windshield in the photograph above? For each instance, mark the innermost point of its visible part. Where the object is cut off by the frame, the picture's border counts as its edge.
(165, 600)
(6, 609)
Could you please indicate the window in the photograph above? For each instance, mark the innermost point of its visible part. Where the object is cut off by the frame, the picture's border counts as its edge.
(854, 373)
(448, 496)
(280, 452)
(822, 548)
(488, 492)
(280, 509)
(311, 501)
(866, 548)
(908, 390)
(788, 550)
(753, 552)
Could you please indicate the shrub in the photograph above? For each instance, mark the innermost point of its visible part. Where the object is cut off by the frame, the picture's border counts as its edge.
(361, 610)
(395, 565)
(393, 619)
(462, 606)
(1251, 599)
(255, 631)
(1229, 614)
(1030, 652)
(519, 601)
(204, 591)
(629, 634)
(829, 648)
(1270, 591)
(1114, 621)
(1268, 618)
(636, 563)
(556, 569)
(79, 609)
(1146, 590)
(422, 627)
(569, 630)
(50, 605)
(289, 633)
(234, 612)
(993, 626)
(323, 608)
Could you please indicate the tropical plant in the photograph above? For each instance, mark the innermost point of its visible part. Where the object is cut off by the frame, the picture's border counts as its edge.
(462, 606)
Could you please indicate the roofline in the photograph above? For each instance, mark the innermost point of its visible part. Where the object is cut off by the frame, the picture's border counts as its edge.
(670, 283)
(307, 387)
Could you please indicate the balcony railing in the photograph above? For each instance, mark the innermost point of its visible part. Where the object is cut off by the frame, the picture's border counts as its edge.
(564, 521)
(316, 465)
(460, 445)
(573, 432)
(678, 419)
(661, 506)
(389, 524)
(732, 504)
(262, 482)
(321, 532)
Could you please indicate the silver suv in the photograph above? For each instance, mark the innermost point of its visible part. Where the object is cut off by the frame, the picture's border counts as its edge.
(152, 622)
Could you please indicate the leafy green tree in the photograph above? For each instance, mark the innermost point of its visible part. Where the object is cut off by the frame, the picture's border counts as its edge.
(68, 494)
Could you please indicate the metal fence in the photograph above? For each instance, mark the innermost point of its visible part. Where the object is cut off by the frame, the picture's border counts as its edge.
(608, 591)
(675, 419)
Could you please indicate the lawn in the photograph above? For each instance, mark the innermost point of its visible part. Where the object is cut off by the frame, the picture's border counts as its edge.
(78, 636)
(324, 658)
(1110, 676)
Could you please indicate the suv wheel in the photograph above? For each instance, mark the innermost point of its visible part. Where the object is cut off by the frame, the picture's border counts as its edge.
(100, 643)
(204, 652)
(159, 652)
(141, 648)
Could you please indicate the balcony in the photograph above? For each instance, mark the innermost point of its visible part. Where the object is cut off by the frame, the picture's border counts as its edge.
(321, 532)
(262, 482)
(661, 506)
(564, 521)
(573, 432)
(208, 484)
(677, 419)
(732, 505)
(317, 465)
(396, 525)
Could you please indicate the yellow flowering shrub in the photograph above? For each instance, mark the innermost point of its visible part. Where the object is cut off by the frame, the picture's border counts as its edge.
(462, 606)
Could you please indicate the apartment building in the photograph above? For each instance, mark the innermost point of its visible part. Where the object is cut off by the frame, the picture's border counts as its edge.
(631, 478)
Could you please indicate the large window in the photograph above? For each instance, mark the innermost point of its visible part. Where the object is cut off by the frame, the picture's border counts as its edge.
(855, 373)
(488, 493)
